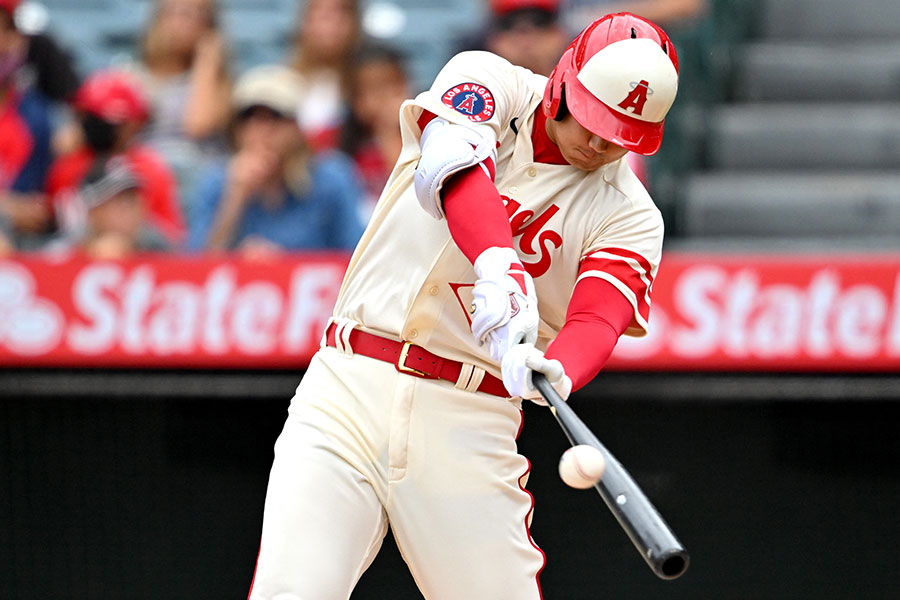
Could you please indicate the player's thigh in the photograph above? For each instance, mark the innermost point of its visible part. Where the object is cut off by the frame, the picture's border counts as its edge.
(323, 522)
(461, 515)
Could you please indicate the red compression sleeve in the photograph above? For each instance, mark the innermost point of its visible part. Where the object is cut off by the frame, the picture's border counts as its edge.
(475, 213)
(598, 314)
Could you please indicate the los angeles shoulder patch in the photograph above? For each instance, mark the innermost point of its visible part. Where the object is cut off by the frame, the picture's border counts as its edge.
(472, 100)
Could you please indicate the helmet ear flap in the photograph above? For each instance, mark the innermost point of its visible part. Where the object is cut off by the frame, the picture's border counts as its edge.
(555, 86)
(561, 110)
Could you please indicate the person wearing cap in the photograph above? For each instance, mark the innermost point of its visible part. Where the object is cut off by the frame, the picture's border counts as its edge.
(668, 13)
(511, 238)
(115, 225)
(527, 33)
(25, 134)
(112, 109)
(273, 194)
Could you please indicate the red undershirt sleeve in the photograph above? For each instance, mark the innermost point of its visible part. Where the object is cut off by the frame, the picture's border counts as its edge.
(598, 314)
(475, 213)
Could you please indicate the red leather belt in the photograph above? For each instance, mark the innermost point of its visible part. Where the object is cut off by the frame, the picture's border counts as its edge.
(413, 360)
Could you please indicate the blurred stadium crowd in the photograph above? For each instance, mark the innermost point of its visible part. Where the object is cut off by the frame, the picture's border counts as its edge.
(253, 126)
(267, 125)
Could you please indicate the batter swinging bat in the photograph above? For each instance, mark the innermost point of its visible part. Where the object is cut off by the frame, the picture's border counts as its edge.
(638, 517)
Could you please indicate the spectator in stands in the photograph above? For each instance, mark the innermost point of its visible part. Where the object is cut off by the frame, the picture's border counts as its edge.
(112, 109)
(47, 66)
(273, 194)
(116, 227)
(184, 68)
(666, 13)
(378, 86)
(326, 45)
(25, 133)
(527, 33)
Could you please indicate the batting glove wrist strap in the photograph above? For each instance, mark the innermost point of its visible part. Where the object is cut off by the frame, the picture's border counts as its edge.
(504, 307)
(521, 361)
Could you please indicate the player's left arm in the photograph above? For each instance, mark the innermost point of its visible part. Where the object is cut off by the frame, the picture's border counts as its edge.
(611, 298)
(597, 316)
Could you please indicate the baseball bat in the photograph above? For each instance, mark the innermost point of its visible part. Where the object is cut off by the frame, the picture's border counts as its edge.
(645, 527)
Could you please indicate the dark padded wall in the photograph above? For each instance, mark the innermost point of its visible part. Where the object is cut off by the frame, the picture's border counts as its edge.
(160, 496)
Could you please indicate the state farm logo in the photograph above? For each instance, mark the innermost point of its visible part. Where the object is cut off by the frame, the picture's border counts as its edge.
(119, 313)
(29, 325)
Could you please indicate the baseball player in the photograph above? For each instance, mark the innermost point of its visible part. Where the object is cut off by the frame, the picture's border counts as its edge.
(510, 238)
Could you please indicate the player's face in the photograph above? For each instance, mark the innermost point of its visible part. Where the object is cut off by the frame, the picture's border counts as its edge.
(581, 148)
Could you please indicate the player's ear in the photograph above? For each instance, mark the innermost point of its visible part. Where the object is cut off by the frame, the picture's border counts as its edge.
(563, 111)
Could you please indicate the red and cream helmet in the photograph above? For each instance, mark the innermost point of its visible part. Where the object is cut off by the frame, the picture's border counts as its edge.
(618, 79)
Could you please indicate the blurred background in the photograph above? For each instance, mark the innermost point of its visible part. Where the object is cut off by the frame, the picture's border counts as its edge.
(181, 182)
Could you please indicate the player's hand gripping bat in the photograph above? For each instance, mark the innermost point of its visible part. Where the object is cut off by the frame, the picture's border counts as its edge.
(638, 517)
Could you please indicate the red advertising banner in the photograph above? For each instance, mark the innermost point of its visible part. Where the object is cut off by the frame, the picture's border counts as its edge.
(710, 312)
(771, 312)
(166, 311)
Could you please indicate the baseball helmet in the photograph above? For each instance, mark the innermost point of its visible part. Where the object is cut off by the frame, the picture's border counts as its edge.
(114, 96)
(618, 79)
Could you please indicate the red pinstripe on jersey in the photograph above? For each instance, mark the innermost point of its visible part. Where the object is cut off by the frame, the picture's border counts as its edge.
(629, 268)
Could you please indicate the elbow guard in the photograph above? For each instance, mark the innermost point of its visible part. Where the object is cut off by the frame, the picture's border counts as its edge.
(446, 149)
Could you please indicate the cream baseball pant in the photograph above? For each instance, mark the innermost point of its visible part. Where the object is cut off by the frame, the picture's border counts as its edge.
(365, 446)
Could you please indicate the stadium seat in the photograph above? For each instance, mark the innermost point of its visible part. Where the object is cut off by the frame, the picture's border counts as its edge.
(808, 71)
(830, 19)
(805, 136)
(792, 205)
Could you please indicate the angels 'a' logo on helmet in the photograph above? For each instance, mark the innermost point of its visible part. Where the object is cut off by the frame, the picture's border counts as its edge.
(636, 99)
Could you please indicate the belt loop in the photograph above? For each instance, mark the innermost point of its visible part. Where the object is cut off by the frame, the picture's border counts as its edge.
(462, 382)
(477, 378)
(349, 326)
(342, 336)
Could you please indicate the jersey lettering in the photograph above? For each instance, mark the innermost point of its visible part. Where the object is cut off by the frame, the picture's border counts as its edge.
(528, 227)
(636, 99)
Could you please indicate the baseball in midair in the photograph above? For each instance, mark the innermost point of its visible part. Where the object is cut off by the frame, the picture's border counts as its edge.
(581, 466)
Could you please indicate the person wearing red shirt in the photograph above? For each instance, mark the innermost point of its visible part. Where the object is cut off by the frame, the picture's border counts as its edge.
(112, 109)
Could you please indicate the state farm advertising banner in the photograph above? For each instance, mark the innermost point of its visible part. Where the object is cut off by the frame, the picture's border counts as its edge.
(710, 312)
(166, 311)
(767, 312)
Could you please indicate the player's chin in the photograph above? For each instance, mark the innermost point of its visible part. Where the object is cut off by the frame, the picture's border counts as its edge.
(586, 164)
(587, 160)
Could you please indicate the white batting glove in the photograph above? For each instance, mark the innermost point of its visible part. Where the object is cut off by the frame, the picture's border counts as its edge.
(503, 315)
(519, 363)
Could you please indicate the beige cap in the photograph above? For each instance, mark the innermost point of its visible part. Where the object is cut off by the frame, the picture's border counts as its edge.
(275, 87)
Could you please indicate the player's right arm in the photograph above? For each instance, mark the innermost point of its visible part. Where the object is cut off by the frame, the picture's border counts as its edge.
(460, 125)
(504, 299)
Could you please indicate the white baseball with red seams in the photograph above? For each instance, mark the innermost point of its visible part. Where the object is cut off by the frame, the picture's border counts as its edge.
(582, 466)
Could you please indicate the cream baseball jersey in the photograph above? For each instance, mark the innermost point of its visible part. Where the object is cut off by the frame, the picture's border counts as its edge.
(408, 280)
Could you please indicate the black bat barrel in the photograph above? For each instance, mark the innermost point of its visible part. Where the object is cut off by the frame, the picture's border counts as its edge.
(639, 518)
(645, 527)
